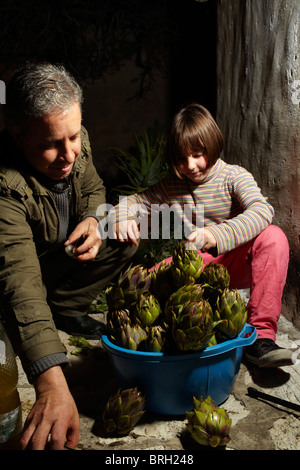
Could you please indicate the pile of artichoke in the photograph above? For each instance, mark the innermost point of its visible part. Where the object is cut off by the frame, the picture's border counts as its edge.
(208, 424)
(179, 306)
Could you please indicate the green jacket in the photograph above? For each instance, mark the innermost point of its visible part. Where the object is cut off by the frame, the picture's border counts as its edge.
(29, 227)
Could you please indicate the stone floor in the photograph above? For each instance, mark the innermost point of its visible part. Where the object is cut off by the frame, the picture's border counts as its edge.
(256, 424)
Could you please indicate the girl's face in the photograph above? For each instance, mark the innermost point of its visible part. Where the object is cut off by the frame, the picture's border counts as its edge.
(194, 166)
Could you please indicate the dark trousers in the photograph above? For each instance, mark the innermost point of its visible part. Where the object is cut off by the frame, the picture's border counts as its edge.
(72, 285)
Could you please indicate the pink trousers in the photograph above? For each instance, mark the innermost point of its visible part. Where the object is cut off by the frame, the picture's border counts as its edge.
(261, 265)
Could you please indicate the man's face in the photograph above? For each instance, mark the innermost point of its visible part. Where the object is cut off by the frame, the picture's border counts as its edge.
(52, 143)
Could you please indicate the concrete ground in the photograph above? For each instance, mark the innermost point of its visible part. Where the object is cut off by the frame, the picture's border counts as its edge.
(256, 424)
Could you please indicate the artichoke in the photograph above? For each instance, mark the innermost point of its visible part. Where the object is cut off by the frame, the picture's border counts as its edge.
(187, 263)
(213, 341)
(216, 276)
(157, 338)
(231, 308)
(125, 292)
(208, 424)
(123, 410)
(82, 345)
(132, 337)
(185, 294)
(193, 327)
(162, 283)
(147, 310)
(214, 279)
(116, 319)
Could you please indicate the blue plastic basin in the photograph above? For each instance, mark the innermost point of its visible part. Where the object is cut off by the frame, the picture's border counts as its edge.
(169, 382)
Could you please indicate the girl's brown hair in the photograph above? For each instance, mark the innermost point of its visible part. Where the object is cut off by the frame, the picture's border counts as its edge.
(193, 129)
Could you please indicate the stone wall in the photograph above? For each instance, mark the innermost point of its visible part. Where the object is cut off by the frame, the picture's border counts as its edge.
(258, 75)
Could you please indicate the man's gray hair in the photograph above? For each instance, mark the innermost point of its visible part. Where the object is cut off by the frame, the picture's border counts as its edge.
(39, 89)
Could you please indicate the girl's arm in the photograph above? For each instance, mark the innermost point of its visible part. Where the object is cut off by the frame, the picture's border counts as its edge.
(126, 231)
(256, 213)
(125, 218)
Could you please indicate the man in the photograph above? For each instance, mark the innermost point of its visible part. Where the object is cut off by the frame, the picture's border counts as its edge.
(49, 194)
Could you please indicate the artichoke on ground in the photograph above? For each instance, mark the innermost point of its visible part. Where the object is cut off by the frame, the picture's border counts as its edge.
(208, 424)
(125, 292)
(123, 410)
(182, 296)
(132, 337)
(186, 265)
(147, 310)
(231, 308)
(82, 345)
(194, 326)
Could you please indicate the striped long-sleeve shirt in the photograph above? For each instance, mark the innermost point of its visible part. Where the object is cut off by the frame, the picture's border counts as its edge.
(234, 209)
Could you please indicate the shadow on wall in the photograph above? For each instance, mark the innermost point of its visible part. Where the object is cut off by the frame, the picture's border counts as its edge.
(112, 117)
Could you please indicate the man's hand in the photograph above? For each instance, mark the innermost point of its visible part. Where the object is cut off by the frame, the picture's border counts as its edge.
(54, 414)
(126, 231)
(86, 232)
(203, 239)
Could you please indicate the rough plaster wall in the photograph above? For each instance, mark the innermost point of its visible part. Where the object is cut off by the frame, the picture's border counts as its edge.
(258, 109)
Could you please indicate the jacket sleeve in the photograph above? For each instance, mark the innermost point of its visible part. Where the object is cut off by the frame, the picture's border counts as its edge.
(23, 294)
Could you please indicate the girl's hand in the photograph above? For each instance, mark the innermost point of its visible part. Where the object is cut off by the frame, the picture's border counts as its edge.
(203, 239)
(126, 231)
(85, 240)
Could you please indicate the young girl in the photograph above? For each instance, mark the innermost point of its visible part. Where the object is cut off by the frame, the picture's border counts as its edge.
(237, 229)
